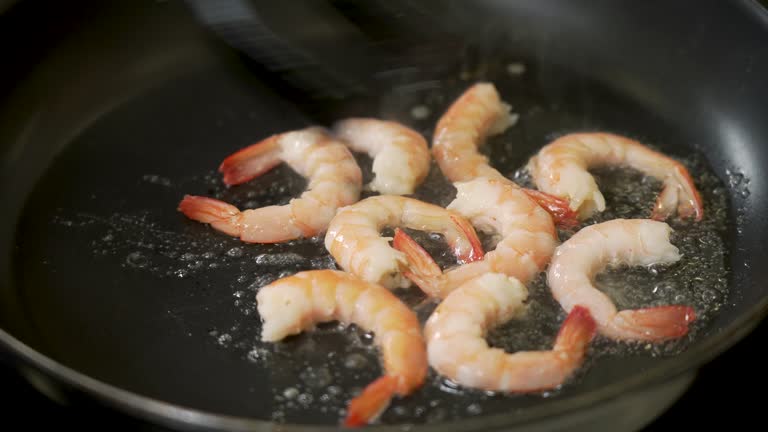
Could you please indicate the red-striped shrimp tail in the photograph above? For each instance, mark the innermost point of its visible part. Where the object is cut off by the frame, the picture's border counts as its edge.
(206, 210)
(559, 208)
(657, 323)
(250, 162)
(422, 268)
(373, 400)
(577, 331)
(679, 194)
(222, 216)
(475, 253)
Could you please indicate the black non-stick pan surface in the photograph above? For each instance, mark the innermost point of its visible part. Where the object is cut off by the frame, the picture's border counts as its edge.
(108, 289)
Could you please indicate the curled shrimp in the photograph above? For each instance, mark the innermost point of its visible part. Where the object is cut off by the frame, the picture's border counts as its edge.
(297, 303)
(475, 115)
(457, 349)
(620, 241)
(334, 178)
(400, 154)
(526, 237)
(560, 168)
(355, 241)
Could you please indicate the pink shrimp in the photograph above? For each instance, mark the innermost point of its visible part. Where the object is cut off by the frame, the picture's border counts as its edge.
(297, 303)
(400, 154)
(619, 241)
(526, 237)
(560, 168)
(335, 180)
(355, 241)
(457, 348)
(476, 114)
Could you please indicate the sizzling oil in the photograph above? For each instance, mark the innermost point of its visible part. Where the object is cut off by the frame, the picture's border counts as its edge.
(320, 371)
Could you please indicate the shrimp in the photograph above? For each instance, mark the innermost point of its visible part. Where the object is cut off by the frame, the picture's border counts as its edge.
(296, 303)
(400, 154)
(619, 241)
(354, 241)
(527, 237)
(457, 349)
(335, 180)
(560, 168)
(475, 115)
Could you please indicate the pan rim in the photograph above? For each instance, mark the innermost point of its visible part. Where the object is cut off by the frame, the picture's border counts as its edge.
(170, 414)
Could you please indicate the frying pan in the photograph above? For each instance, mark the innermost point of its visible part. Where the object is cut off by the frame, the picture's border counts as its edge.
(110, 112)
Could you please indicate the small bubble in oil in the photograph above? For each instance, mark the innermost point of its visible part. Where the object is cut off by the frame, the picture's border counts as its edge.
(224, 339)
(305, 399)
(367, 338)
(257, 354)
(449, 386)
(474, 409)
(137, 260)
(187, 257)
(317, 377)
(235, 252)
(355, 361)
(516, 68)
(290, 393)
(420, 112)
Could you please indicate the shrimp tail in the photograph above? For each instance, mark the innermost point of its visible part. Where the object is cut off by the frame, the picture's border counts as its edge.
(206, 210)
(221, 216)
(422, 268)
(251, 162)
(371, 402)
(577, 331)
(559, 208)
(476, 248)
(657, 323)
(683, 194)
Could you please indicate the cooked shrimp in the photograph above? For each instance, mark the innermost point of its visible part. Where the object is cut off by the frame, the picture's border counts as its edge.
(526, 232)
(355, 241)
(620, 241)
(294, 304)
(400, 154)
(560, 168)
(335, 180)
(457, 348)
(475, 115)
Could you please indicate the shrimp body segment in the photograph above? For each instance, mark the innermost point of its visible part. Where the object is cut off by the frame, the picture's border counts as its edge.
(475, 115)
(620, 241)
(525, 234)
(354, 238)
(297, 303)
(457, 349)
(560, 168)
(334, 180)
(400, 154)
